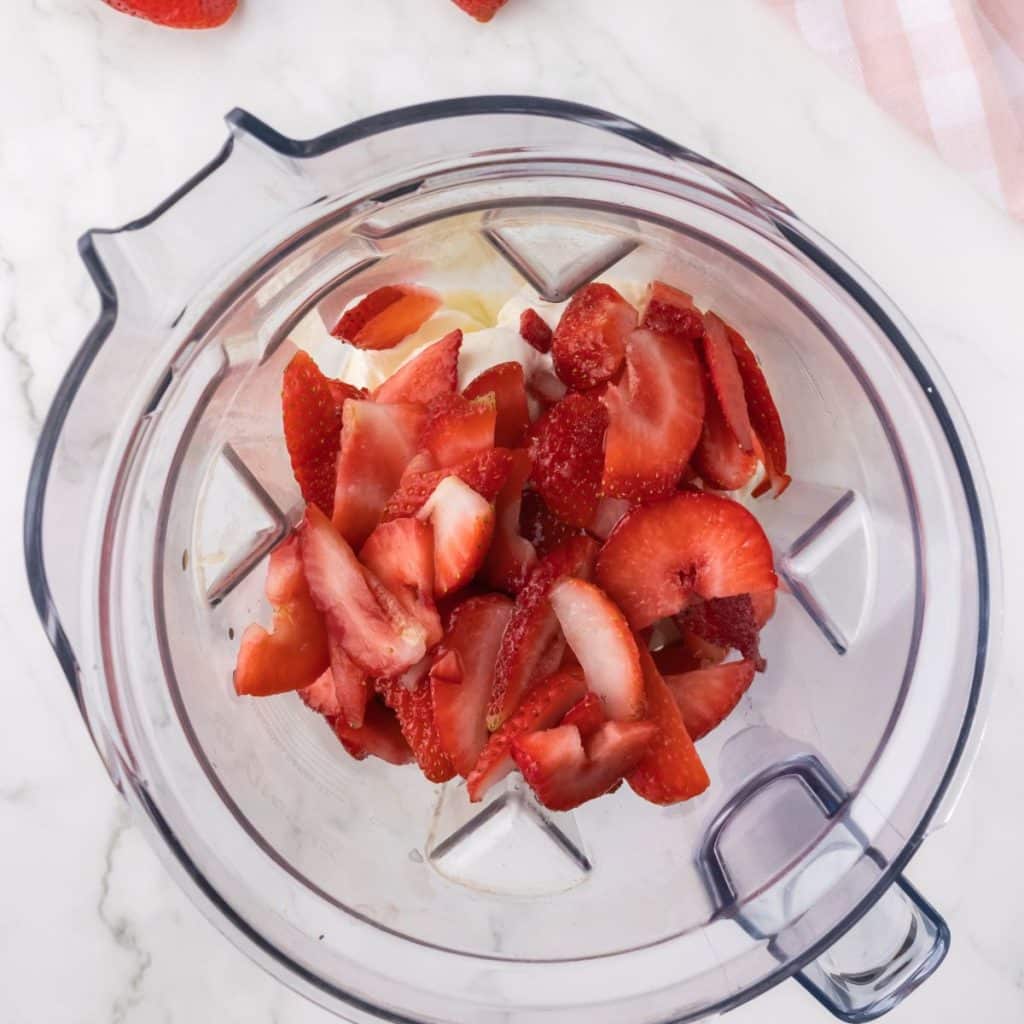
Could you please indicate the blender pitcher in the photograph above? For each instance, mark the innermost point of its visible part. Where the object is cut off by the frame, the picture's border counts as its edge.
(162, 483)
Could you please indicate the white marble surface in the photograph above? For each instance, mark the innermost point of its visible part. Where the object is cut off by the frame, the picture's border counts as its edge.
(102, 116)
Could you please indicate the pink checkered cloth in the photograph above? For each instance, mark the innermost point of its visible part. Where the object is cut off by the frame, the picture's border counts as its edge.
(951, 70)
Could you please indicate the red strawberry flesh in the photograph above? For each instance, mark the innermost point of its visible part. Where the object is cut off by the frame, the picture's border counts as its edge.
(587, 714)
(412, 700)
(668, 310)
(589, 343)
(728, 384)
(428, 375)
(511, 556)
(486, 473)
(508, 385)
(386, 316)
(379, 736)
(718, 459)
(533, 329)
(706, 697)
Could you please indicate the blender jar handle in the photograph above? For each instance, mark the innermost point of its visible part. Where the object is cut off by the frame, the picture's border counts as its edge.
(897, 945)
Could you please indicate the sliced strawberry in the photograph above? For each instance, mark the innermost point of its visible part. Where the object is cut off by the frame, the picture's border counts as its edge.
(601, 639)
(463, 525)
(377, 443)
(342, 691)
(675, 659)
(728, 384)
(545, 388)
(725, 622)
(764, 416)
(606, 516)
(361, 614)
(764, 606)
(655, 415)
(589, 343)
(662, 555)
(668, 310)
(412, 700)
(533, 329)
(718, 459)
(190, 14)
(541, 527)
(342, 391)
(508, 385)
(400, 554)
(532, 636)
(482, 10)
(568, 457)
(321, 695)
(457, 429)
(428, 375)
(312, 429)
(460, 701)
(564, 773)
(543, 707)
(486, 473)
(386, 316)
(511, 556)
(379, 736)
(706, 697)
(295, 653)
(671, 770)
(587, 714)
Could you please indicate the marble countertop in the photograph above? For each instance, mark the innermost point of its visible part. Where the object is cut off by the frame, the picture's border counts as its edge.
(103, 116)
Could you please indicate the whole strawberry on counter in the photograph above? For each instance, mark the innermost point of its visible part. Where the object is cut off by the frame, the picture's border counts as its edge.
(482, 10)
(178, 13)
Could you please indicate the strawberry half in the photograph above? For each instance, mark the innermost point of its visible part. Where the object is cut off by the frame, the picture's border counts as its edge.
(463, 525)
(533, 635)
(600, 638)
(486, 473)
(655, 415)
(380, 735)
(533, 329)
(511, 556)
(728, 384)
(401, 555)
(362, 615)
(564, 773)
(718, 458)
(587, 714)
(668, 310)
(460, 703)
(671, 770)
(458, 429)
(589, 343)
(295, 653)
(706, 697)
(541, 527)
(387, 315)
(544, 707)
(568, 457)
(412, 700)
(377, 443)
(662, 555)
(481, 10)
(191, 14)
(764, 415)
(432, 373)
(725, 622)
(311, 407)
(507, 383)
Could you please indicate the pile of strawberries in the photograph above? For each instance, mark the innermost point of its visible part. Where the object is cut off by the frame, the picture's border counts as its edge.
(214, 13)
(477, 588)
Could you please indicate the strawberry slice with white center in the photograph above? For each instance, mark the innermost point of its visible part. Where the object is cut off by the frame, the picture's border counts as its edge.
(458, 429)
(587, 714)
(377, 443)
(428, 375)
(362, 615)
(379, 736)
(728, 384)
(589, 342)
(718, 458)
(486, 473)
(463, 523)
(671, 770)
(342, 691)
(706, 697)
(460, 700)
(533, 637)
(544, 707)
(669, 310)
(564, 772)
(663, 554)
(602, 641)
(387, 315)
(401, 555)
(655, 414)
(507, 383)
(412, 700)
(295, 653)
(511, 556)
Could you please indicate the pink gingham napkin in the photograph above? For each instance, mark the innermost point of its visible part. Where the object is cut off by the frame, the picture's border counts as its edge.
(951, 70)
